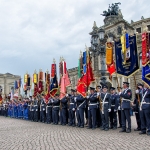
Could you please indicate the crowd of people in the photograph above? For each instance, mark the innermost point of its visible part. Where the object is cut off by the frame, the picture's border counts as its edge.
(99, 109)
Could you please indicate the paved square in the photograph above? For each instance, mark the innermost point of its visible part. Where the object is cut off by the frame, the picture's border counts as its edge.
(25, 135)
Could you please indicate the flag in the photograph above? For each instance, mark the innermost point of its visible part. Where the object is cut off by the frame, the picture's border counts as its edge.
(128, 66)
(111, 68)
(47, 85)
(88, 76)
(84, 62)
(81, 88)
(65, 81)
(146, 74)
(15, 85)
(145, 48)
(54, 82)
(40, 82)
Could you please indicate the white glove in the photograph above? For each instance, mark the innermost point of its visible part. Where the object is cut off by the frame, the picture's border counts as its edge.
(137, 91)
(109, 110)
(115, 110)
(75, 99)
(87, 97)
(73, 109)
(97, 94)
(119, 93)
(118, 107)
(66, 95)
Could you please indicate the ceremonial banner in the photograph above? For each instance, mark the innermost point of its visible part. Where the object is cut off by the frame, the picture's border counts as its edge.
(109, 53)
(146, 74)
(81, 88)
(111, 68)
(84, 62)
(145, 48)
(15, 85)
(65, 81)
(54, 82)
(128, 65)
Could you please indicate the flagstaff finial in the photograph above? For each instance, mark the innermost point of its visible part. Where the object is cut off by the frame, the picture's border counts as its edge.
(63, 59)
(123, 30)
(35, 71)
(54, 61)
(80, 54)
(47, 71)
(60, 59)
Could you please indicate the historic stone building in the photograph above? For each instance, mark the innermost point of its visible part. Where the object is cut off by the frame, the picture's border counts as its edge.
(7, 82)
(113, 25)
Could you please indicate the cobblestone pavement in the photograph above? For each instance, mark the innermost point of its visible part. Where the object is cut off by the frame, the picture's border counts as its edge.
(25, 135)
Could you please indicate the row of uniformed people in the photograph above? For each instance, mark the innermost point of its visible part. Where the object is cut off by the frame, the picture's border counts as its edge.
(102, 109)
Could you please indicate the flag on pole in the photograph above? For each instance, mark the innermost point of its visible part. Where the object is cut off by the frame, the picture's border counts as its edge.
(88, 76)
(126, 65)
(54, 82)
(65, 81)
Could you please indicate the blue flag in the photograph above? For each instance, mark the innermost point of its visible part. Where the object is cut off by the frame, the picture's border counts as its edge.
(84, 62)
(146, 74)
(131, 65)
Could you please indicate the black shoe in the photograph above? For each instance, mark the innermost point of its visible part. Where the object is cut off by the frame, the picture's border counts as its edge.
(89, 128)
(73, 125)
(148, 133)
(137, 129)
(142, 132)
(106, 129)
(114, 128)
(81, 127)
(102, 128)
(110, 127)
(123, 130)
(128, 131)
(93, 128)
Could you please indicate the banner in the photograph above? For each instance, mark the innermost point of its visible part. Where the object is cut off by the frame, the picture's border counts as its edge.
(146, 74)
(109, 53)
(130, 65)
(54, 82)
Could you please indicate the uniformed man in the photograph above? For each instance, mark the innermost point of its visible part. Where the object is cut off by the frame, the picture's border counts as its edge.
(126, 96)
(92, 108)
(42, 109)
(136, 106)
(72, 107)
(105, 107)
(35, 107)
(114, 106)
(25, 109)
(145, 110)
(81, 104)
(56, 106)
(32, 109)
(119, 108)
(63, 110)
(98, 114)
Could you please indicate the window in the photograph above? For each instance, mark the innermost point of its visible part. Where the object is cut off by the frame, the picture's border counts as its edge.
(138, 30)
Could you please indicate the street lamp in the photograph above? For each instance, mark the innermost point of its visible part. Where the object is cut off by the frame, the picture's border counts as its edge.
(101, 33)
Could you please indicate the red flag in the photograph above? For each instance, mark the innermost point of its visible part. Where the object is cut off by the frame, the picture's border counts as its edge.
(65, 81)
(88, 77)
(81, 88)
(111, 68)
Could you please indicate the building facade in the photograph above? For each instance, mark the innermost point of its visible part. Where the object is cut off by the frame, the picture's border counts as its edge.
(113, 25)
(7, 82)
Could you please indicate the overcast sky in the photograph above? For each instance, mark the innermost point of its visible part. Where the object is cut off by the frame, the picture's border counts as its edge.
(33, 32)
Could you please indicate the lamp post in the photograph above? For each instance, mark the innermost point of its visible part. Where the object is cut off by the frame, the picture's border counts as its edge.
(98, 48)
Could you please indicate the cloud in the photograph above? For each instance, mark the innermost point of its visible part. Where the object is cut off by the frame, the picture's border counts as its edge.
(33, 32)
